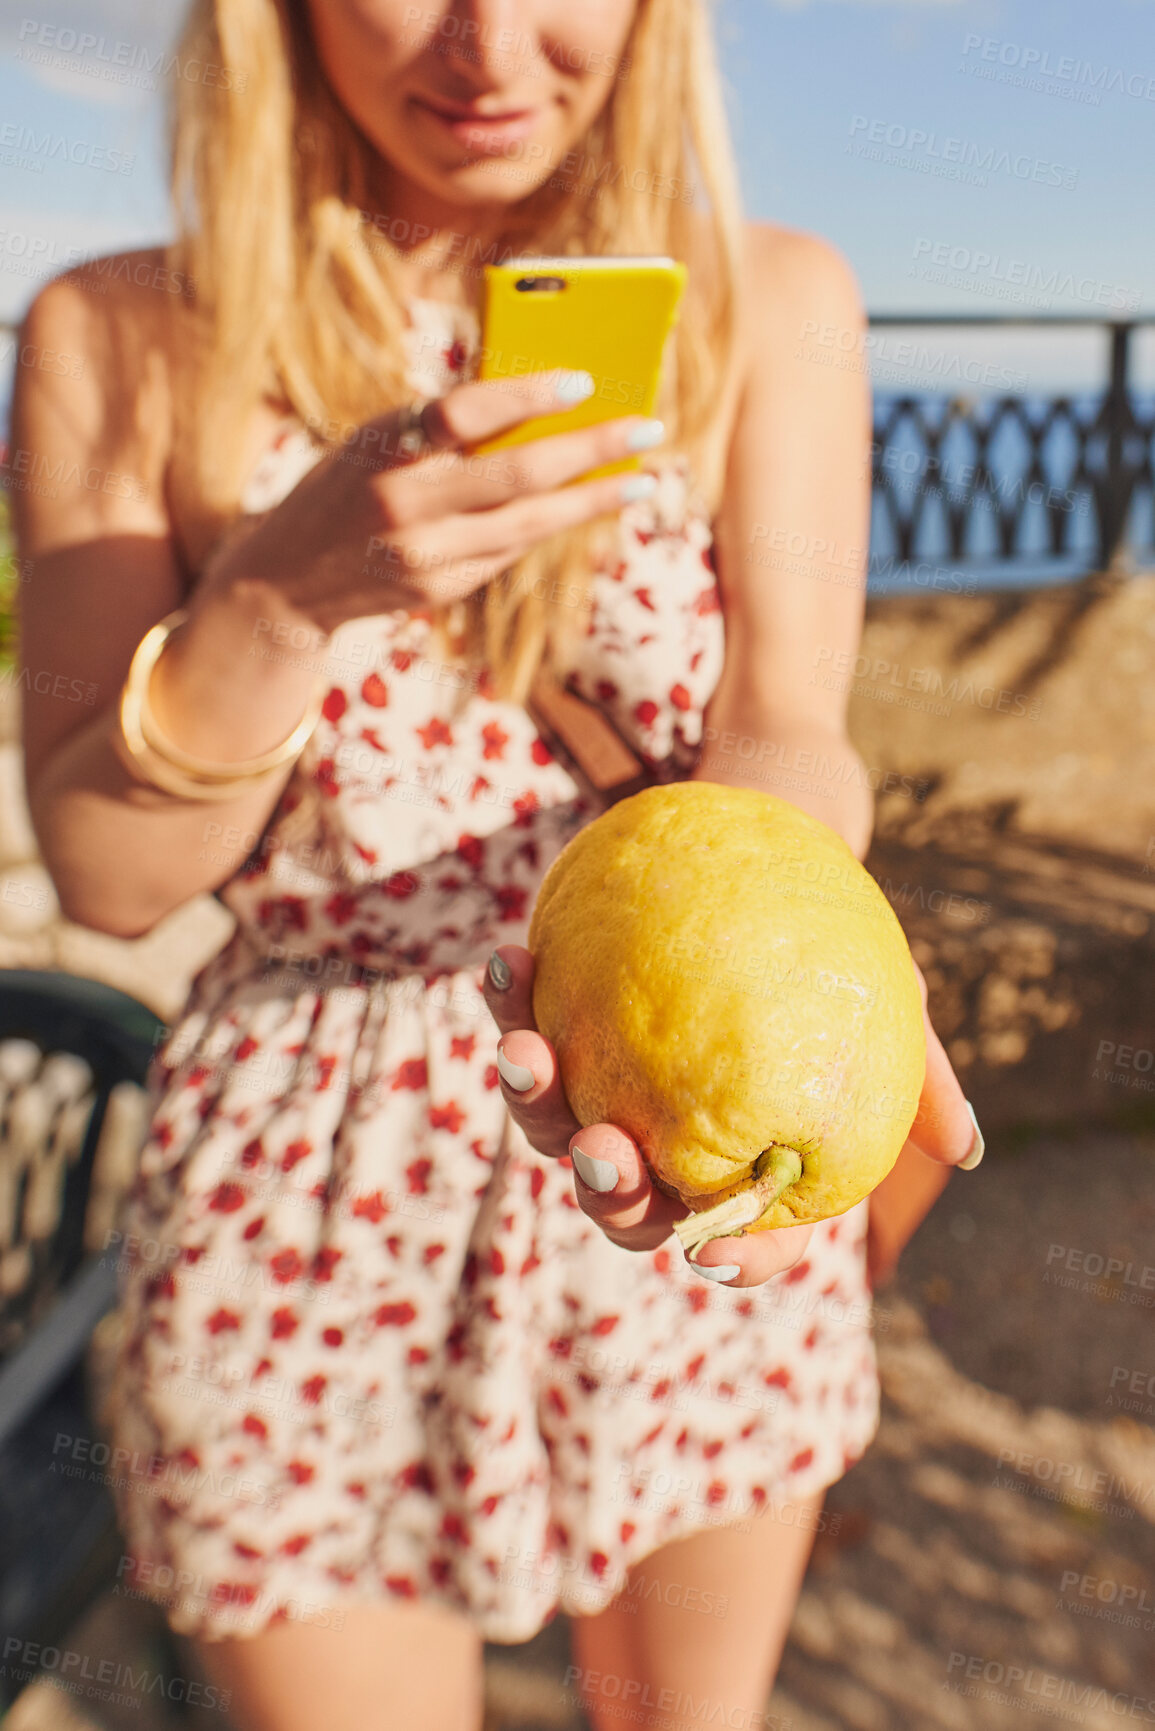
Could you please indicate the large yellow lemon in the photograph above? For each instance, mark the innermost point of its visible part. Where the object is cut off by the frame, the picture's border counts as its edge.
(722, 978)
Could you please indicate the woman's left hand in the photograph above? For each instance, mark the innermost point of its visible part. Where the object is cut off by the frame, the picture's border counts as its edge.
(944, 1134)
(622, 1198)
(944, 1127)
(836, 789)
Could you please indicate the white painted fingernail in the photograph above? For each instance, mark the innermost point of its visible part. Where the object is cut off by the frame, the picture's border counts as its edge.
(636, 487)
(500, 972)
(600, 1175)
(727, 1271)
(978, 1146)
(646, 435)
(573, 387)
(515, 1074)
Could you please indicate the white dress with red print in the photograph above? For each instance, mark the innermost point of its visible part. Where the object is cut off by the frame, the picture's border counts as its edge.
(370, 1346)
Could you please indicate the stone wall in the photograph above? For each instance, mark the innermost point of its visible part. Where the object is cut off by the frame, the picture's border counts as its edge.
(1011, 739)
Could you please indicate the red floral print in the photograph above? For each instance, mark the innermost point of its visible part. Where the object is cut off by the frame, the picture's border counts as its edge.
(417, 1355)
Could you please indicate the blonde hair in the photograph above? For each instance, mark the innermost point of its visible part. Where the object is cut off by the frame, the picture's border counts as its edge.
(293, 298)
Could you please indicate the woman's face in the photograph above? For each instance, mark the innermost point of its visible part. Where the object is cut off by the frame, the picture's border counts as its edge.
(472, 102)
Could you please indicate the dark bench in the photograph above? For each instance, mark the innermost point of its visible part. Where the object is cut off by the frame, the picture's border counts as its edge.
(58, 1200)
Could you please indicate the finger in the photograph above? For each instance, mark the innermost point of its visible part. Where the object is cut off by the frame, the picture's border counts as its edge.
(754, 1258)
(489, 479)
(527, 1066)
(521, 524)
(531, 1087)
(611, 1180)
(425, 569)
(613, 1186)
(628, 1207)
(411, 579)
(417, 548)
(507, 986)
(945, 1127)
(485, 407)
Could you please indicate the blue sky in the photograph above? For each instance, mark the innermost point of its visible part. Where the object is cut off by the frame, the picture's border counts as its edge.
(967, 155)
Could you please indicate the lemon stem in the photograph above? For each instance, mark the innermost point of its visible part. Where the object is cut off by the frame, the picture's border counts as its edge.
(775, 1170)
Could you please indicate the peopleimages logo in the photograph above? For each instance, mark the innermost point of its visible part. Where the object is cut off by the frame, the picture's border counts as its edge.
(43, 44)
(1016, 273)
(1008, 1684)
(1036, 64)
(40, 147)
(929, 152)
(1072, 1482)
(118, 1682)
(1093, 1263)
(1125, 1594)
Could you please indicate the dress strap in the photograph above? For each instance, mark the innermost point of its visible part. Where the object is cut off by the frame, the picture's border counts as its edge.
(584, 738)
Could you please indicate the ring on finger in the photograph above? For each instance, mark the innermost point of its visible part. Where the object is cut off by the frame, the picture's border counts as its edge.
(413, 438)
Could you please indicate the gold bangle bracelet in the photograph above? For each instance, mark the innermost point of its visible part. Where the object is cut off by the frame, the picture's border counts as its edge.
(176, 771)
(145, 766)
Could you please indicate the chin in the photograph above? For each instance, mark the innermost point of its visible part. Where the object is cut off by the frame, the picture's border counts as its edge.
(483, 182)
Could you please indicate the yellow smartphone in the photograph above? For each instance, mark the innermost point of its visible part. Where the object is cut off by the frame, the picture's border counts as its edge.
(609, 317)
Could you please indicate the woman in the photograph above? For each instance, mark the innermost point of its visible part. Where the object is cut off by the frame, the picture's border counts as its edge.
(390, 1382)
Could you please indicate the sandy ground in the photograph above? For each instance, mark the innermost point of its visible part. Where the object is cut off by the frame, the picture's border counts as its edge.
(994, 1554)
(1002, 1521)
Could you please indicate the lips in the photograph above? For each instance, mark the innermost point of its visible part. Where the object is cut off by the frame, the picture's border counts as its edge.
(462, 111)
(477, 128)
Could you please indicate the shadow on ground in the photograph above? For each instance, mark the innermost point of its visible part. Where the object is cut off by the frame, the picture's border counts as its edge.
(994, 1553)
(1002, 1526)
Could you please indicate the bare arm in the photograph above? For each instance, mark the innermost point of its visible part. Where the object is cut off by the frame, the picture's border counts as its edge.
(791, 539)
(797, 476)
(105, 569)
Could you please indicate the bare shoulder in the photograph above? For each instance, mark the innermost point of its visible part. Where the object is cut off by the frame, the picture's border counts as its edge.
(796, 267)
(798, 301)
(103, 335)
(125, 299)
(795, 284)
(92, 393)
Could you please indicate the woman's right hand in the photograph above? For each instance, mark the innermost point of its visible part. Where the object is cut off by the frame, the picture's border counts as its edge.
(370, 529)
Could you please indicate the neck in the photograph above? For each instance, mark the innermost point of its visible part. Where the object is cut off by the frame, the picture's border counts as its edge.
(437, 242)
